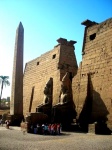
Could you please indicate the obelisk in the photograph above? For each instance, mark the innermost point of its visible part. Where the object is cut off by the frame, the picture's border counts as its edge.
(16, 104)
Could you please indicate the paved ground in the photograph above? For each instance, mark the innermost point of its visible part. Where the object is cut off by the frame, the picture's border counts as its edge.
(14, 139)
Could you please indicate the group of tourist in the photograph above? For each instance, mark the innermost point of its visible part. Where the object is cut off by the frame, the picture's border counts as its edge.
(1, 122)
(46, 129)
(7, 123)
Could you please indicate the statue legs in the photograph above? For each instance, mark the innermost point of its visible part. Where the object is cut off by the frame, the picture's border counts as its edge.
(61, 114)
(46, 109)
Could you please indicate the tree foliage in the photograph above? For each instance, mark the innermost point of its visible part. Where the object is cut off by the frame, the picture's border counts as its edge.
(4, 82)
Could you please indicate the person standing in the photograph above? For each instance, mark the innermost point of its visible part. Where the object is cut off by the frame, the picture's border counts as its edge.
(58, 129)
(7, 124)
(49, 128)
(1, 122)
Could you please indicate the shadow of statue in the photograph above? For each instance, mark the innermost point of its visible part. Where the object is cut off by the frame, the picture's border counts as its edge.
(94, 109)
(99, 115)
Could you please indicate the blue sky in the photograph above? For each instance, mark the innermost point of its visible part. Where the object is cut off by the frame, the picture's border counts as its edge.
(45, 21)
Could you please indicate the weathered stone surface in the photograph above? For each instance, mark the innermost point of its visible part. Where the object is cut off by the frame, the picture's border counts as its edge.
(96, 60)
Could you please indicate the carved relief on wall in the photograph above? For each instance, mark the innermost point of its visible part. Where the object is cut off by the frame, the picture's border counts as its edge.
(103, 52)
(111, 46)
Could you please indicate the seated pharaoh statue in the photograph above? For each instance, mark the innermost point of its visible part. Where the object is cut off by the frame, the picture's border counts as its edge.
(65, 109)
(46, 106)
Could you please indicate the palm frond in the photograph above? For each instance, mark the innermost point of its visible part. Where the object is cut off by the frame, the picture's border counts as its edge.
(7, 82)
(4, 79)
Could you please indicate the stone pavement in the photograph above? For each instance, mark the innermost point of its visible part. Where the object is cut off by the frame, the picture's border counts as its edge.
(14, 139)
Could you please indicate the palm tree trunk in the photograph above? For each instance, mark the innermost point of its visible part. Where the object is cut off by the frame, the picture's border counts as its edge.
(1, 93)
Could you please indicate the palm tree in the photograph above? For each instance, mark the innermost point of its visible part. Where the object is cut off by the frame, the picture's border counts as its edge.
(3, 81)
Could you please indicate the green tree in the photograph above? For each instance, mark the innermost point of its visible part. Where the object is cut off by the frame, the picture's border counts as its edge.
(3, 81)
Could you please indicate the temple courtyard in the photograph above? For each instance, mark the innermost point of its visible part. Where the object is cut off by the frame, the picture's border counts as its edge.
(14, 139)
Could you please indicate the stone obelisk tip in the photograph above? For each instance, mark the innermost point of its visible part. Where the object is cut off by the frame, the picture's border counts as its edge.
(20, 26)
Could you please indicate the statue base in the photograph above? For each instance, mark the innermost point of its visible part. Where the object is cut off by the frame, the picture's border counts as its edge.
(91, 128)
(34, 118)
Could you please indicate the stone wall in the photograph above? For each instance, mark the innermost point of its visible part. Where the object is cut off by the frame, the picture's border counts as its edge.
(97, 61)
(37, 72)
